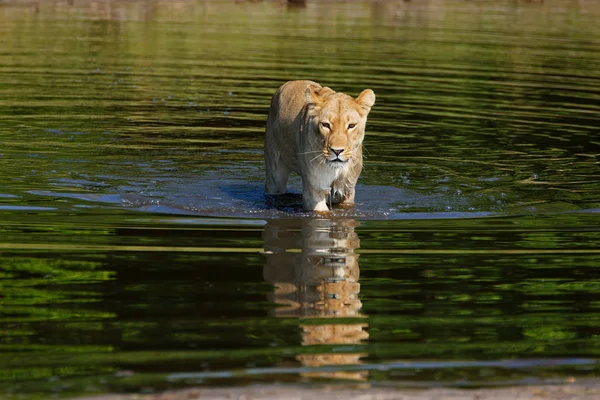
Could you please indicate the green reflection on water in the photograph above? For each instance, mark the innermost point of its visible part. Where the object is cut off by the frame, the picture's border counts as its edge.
(124, 322)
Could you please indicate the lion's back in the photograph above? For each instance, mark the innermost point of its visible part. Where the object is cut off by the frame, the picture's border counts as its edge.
(285, 120)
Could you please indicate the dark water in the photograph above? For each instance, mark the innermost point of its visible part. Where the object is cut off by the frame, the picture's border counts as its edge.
(137, 252)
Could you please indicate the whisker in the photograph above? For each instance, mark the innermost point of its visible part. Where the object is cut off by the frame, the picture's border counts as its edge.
(317, 156)
(310, 152)
(365, 157)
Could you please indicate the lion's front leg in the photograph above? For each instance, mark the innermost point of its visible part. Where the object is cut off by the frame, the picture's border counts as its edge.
(345, 198)
(337, 196)
(349, 196)
(314, 199)
(342, 191)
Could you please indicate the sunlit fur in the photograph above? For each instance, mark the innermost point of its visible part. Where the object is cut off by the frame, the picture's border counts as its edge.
(306, 128)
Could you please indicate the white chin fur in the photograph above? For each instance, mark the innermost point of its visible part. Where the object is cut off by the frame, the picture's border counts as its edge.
(337, 164)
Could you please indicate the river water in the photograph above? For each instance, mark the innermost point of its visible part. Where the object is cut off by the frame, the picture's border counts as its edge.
(138, 253)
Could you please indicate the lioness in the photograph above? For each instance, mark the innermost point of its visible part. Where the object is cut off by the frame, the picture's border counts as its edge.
(317, 133)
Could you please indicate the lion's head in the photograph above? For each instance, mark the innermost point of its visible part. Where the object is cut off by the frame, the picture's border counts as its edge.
(338, 122)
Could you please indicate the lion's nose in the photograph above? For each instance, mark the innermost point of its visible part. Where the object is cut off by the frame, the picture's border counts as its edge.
(336, 151)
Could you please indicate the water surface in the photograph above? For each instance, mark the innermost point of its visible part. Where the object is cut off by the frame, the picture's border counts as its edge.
(138, 252)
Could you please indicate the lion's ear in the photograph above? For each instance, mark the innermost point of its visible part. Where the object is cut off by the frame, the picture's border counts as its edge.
(315, 95)
(366, 99)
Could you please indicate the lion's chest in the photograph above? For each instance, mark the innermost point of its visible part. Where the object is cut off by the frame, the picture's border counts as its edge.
(323, 176)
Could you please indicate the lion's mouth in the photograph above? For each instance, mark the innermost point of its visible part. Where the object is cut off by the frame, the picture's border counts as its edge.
(337, 162)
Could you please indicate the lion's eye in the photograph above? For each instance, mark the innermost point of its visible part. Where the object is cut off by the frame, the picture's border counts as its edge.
(326, 125)
(351, 126)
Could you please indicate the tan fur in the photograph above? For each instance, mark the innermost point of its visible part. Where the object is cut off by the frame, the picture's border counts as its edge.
(307, 126)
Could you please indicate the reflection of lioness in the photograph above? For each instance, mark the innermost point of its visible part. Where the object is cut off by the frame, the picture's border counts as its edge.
(318, 134)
